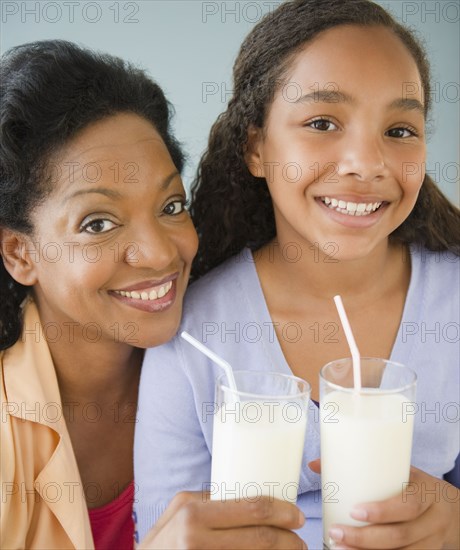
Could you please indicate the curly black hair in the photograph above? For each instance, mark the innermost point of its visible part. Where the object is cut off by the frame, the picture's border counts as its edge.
(49, 91)
(233, 209)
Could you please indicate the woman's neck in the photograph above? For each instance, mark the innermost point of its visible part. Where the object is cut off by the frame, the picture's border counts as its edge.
(94, 372)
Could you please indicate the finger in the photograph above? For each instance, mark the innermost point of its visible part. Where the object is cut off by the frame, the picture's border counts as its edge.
(405, 506)
(260, 537)
(393, 535)
(315, 465)
(431, 543)
(242, 513)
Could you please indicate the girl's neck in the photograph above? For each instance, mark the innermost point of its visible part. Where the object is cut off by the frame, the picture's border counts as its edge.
(307, 272)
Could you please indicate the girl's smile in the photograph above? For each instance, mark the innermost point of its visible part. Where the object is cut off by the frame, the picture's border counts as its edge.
(335, 159)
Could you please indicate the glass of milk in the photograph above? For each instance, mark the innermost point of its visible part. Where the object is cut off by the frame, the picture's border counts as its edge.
(366, 437)
(258, 436)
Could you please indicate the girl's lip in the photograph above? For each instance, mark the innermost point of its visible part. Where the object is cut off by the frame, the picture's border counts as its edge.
(151, 306)
(353, 221)
(352, 198)
(149, 284)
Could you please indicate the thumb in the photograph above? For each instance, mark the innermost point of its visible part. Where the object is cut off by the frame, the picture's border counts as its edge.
(315, 465)
(180, 500)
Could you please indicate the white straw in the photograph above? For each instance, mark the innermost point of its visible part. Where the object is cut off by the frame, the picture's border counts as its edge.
(221, 362)
(351, 343)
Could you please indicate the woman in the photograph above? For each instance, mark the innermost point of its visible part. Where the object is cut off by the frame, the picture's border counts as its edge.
(96, 247)
(313, 185)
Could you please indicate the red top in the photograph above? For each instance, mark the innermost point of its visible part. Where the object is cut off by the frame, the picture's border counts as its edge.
(112, 524)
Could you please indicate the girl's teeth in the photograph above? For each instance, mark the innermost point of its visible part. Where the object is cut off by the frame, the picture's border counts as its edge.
(144, 295)
(351, 208)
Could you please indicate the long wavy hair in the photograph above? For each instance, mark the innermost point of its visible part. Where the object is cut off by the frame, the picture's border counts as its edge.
(231, 208)
(49, 91)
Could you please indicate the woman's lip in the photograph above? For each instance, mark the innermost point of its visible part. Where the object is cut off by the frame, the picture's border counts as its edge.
(151, 306)
(149, 284)
(353, 221)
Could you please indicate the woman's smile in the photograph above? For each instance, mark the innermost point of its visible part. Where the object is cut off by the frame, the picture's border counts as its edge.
(148, 296)
(143, 220)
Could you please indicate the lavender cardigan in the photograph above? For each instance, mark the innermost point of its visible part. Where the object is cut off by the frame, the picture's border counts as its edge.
(226, 310)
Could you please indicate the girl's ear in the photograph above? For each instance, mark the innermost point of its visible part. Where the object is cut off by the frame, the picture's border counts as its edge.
(252, 155)
(18, 253)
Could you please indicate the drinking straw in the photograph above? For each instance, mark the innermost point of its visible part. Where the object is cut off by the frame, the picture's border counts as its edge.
(221, 362)
(351, 343)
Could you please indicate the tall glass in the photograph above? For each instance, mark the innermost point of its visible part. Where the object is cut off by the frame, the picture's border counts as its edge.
(366, 438)
(258, 436)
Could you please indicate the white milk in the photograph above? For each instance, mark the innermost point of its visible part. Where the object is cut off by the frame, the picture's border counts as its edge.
(257, 450)
(366, 445)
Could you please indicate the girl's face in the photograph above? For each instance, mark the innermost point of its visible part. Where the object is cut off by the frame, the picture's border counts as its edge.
(113, 243)
(343, 146)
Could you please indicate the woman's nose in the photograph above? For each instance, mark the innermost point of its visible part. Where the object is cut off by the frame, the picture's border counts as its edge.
(151, 247)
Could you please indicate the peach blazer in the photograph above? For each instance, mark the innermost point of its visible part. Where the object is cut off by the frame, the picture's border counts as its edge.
(42, 501)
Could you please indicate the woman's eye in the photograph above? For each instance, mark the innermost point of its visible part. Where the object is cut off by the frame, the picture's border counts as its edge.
(174, 208)
(322, 124)
(401, 132)
(98, 226)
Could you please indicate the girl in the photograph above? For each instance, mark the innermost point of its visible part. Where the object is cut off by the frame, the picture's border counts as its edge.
(96, 249)
(313, 185)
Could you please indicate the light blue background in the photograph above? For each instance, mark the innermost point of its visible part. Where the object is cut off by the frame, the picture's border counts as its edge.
(189, 47)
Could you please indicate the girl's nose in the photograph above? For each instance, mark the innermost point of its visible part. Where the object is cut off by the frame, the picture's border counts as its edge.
(362, 158)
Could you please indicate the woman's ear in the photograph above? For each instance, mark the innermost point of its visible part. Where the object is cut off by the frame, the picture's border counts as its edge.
(252, 155)
(18, 253)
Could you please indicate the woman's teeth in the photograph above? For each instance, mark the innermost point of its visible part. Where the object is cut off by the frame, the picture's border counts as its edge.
(351, 208)
(154, 294)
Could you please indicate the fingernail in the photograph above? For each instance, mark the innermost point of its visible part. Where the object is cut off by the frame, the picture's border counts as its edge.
(336, 534)
(301, 518)
(359, 513)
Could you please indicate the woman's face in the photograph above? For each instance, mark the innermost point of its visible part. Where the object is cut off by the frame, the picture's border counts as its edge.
(343, 147)
(113, 244)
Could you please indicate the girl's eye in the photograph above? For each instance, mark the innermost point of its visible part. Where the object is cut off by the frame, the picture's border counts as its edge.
(98, 226)
(322, 124)
(175, 207)
(401, 132)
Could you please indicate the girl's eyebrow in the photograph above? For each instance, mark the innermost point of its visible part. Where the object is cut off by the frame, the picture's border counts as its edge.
(325, 96)
(335, 96)
(407, 104)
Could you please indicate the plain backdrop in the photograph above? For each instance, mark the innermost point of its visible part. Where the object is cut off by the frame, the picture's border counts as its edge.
(188, 47)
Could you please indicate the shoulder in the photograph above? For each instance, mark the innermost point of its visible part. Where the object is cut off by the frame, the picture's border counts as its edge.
(225, 287)
(437, 274)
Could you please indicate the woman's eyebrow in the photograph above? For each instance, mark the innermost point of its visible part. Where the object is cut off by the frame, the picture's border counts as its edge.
(113, 194)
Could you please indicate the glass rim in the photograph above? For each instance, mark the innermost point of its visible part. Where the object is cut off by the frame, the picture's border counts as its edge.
(369, 390)
(306, 392)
